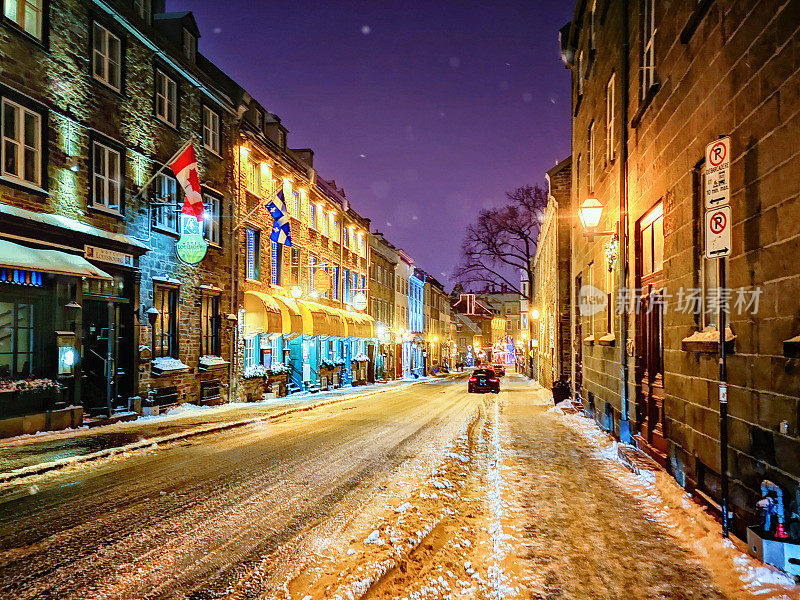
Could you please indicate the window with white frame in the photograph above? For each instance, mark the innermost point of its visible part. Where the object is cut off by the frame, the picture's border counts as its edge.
(165, 204)
(22, 143)
(212, 224)
(590, 151)
(580, 73)
(276, 261)
(253, 176)
(210, 129)
(648, 68)
(26, 14)
(189, 44)
(106, 177)
(253, 254)
(296, 204)
(252, 350)
(106, 57)
(166, 98)
(312, 208)
(610, 120)
(312, 270)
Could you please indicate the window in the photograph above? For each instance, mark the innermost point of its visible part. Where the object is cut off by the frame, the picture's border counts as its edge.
(253, 176)
(276, 257)
(210, 326)
(252, 349)
(335, 282)
(590, 153)
(22, 143)
(592, 281)
(652, 232)
(17, 340)
(593, 25)
(295, 265)
(142, 8)
(253, 254)
(580, 73)
(26, 14)
(107, 178)
(165, 206)
(346, 242)
(648, 68)
(212, 225)
(210, 130)
(312, 215)
(166, 98)
(188, 44)
(106, 57)
(165, 299)
(326, 293)
(346, 290)
(312, 270)
(610, 120)
(296, 203)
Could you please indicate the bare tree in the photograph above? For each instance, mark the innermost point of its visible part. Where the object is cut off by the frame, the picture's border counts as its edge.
(502, 242)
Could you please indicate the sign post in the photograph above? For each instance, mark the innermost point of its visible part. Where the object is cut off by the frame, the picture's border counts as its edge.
(717, 246)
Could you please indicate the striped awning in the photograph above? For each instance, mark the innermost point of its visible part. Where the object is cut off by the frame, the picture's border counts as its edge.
(268, 313)
(262, 314)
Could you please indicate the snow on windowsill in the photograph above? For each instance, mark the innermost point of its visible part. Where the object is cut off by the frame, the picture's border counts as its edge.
(212, 362)
(706, 340)
(168, 365)
(607, 340)
(169, 280)
(589, 340)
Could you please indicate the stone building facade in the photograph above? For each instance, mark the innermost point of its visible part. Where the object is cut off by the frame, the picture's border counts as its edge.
(552, 285)
(383, 263)
(641, 122)
(95, 98)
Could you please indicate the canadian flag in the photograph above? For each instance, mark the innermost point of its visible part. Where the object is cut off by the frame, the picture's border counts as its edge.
(185, 168)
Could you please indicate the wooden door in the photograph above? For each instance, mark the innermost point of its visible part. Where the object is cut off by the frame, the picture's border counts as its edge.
(650, 331)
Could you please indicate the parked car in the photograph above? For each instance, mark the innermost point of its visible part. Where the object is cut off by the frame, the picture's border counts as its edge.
(499, 370)
(483, 380)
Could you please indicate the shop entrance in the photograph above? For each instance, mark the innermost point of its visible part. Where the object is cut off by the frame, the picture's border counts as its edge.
(107, 346)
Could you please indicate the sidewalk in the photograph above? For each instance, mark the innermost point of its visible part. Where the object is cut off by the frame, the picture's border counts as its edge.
(35, 453)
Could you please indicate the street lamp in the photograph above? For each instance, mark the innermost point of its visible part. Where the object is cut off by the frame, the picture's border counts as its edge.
(589, 213)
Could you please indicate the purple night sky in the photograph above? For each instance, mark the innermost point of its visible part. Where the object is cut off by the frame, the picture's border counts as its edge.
(424, 112)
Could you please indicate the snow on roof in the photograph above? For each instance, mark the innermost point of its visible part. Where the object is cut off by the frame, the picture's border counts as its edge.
(63, 222)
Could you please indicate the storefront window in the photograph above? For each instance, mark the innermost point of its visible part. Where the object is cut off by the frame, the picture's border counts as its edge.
(210, 326)
(166, 301)
(16, 340)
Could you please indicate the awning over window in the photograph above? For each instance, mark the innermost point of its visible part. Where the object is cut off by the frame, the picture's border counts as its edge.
(17, 256)
(267, 313)
(262, 314)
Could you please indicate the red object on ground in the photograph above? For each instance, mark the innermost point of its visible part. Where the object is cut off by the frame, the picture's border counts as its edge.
(780, 532)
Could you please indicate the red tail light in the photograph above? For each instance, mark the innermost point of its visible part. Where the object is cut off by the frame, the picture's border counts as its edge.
(494, 380)
(473, 379)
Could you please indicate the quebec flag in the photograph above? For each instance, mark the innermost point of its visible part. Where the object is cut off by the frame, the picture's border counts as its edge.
(281, 232)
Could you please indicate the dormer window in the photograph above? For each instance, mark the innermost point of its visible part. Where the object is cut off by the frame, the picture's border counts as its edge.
(142, 8)
(259, 119)
(281, 138)
(189, 43)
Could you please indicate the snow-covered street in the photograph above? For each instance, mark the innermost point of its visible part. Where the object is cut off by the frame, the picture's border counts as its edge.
(418, 492)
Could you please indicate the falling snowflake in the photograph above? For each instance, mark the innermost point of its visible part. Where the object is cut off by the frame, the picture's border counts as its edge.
(217, 30)
(527, 97)
(366, 29)
(363, 155)
(415, 218)
(455, 62)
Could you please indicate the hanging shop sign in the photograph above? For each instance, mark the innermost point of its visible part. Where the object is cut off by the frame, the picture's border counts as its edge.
(191, 246)
(322, 282)
(108, 256)
(360, 301)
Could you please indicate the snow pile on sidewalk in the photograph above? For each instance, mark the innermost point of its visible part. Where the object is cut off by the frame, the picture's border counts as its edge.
(691, 525)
